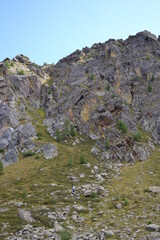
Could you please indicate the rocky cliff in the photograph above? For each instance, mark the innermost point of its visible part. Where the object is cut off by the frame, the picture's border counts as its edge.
(82, 122)
(99, 90)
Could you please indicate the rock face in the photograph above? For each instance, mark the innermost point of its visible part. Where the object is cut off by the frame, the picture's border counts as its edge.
(94, 89)
(49, 150)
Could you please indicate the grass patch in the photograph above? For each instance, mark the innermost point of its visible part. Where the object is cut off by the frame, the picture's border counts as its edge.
(122, 126)
(65, 234)
(137, 137)
(82, 159)
(21, 72)
(28, 154)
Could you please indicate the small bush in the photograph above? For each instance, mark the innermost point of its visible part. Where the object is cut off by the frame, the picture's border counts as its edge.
(1, 168)
(137, 137)
(122, 126)
(125, 202)
(72, 131)
(107, 144)
(16, 87)
(93, 195)
(147, 58)
(92, 77)
(66, 130)
(149, 87)
(39, 135)
(37, 157)
(108, 87)
(152, 78)
(58, 135)
(28, 154)
(44, 64)
(21, 72)
(65, 234)
(82, 159)
(1, 150)
(7, 64)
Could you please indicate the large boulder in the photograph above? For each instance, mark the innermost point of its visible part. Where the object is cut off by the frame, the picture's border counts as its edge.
(49, 150)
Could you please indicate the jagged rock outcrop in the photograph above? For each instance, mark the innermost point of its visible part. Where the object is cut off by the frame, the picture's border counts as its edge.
(93, 89)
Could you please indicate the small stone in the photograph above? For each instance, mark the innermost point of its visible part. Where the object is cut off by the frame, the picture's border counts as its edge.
(119, 206)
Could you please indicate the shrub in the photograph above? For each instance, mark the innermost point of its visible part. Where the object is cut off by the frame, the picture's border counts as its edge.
(65, 234)
(108, 87)
(44, 64)
(125, 202)
(39, 135)
(1, 168)
(152, 78)
(16, 87)
(28, 154)
(149, 87)
(1, 150)
(122, 126)
(92, 77)
(7, 64)
(66, 130)
(37, 157)
(58, 135)
(137, 136)
(147, 58)
(82, 159)
(107, 144)
(21, 72)
(72, 131)
(93, 195)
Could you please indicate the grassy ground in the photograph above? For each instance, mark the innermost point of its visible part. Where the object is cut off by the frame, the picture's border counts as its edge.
(29, 181)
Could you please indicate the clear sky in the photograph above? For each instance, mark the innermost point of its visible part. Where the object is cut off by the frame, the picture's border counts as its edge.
(47, 30)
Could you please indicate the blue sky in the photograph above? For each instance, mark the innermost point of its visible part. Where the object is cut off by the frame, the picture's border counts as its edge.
(47, 30)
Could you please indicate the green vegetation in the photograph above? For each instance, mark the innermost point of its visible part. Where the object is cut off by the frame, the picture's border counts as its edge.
(28, 154)
(70, 162)
(58, 135)
(66, 130)
(45, 64)
(32, 182)
(1, 168)
(1, 150)
(147, 58)
(149, 87)
(137, 136)
(7, 64)
(72, 130)
(108, 87)
(21, 72)
(65, 234)
(92, 77)
(93, 195)
(152, 78)
(16, 87)
(122, 126)
(107, 144)
(39, 135)
(82, 159)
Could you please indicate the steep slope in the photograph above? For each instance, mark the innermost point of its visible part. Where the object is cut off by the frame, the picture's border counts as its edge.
(92, 114)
